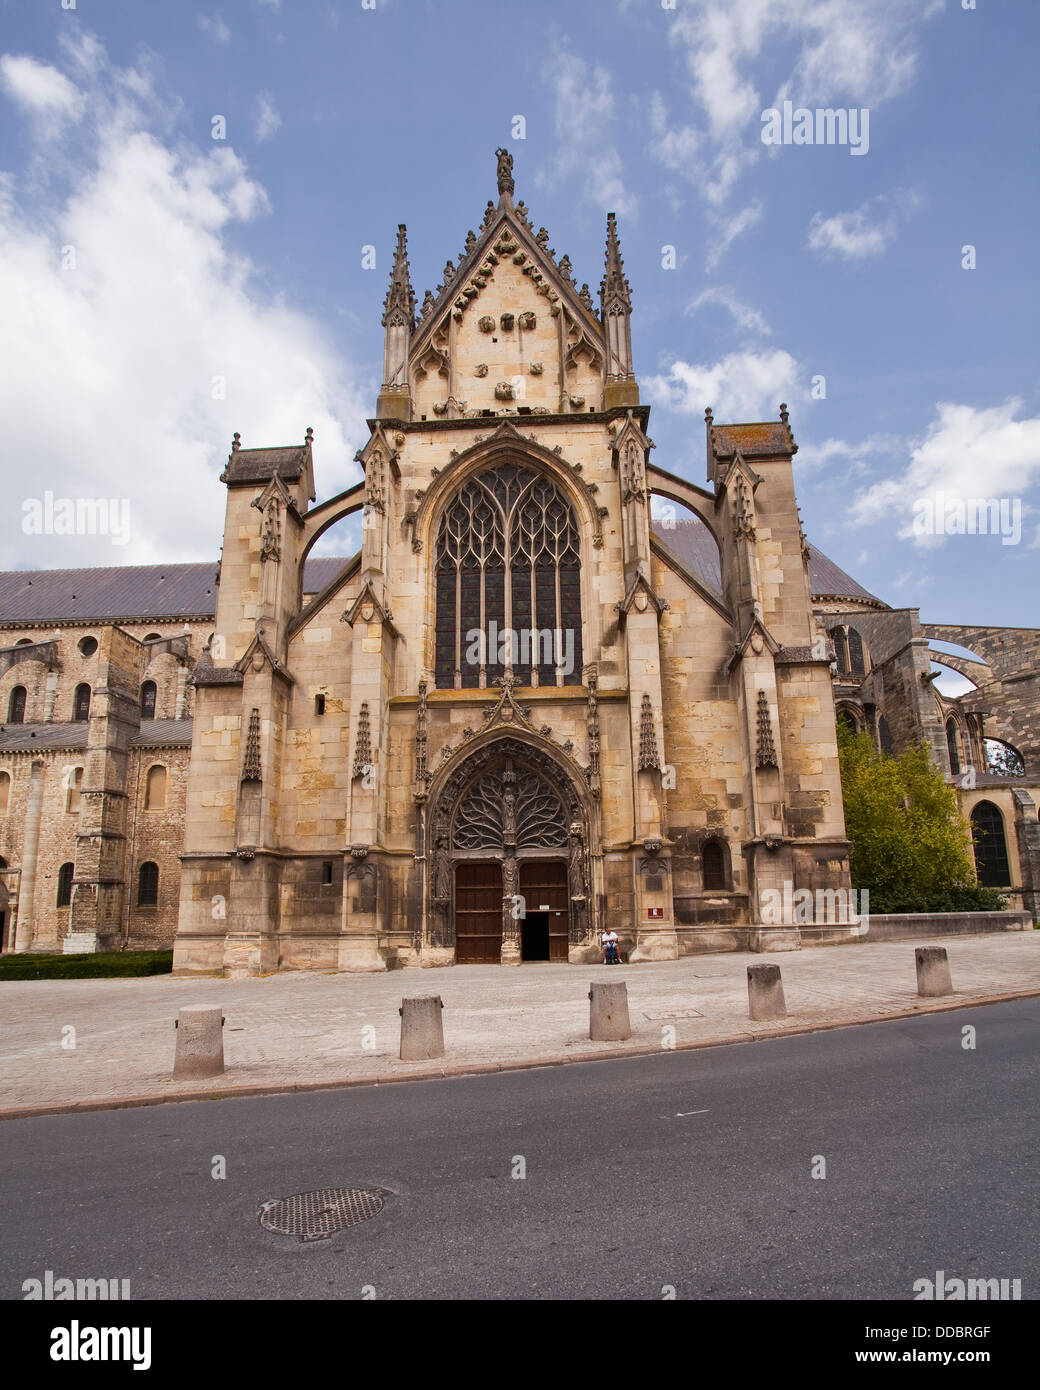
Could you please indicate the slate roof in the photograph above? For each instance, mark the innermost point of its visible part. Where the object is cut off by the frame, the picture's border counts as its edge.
(691, 543)
(127, 593)
(30, 738)
(259, 465)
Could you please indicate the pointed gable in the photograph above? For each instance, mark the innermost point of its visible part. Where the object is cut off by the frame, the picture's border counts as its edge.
(508, 330)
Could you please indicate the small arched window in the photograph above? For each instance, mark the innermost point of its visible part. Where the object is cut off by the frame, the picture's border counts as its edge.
(81, 703)
(5, 792)
(148, 885)
(155, 789)
(884, 736)
(951, 746)
(148, 700)
(64, 885)
(991, 857)
(16, 706)
(74, 784)
(714, 857)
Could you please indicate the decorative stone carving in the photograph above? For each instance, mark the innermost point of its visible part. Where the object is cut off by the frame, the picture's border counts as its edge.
(592, 726)
(449, 272)
(743, 510)
(270, 545)
(566, 268)
(577, 878)
(586, 298)
(537, 368)
(633, 477)
(511, 807)
(363, 745)
(471, 242)
(486, 324)
(251, 762)
(766, 751)
(527, 321)
(507, 321)
(489, 214)
(505, 171)
(427, 304)
(481, 369)
(441, 871)
(504, 391)
(422, 776)
(577, 402)
(648, 757)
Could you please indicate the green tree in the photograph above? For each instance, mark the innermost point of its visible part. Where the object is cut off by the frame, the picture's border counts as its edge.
(910, 847)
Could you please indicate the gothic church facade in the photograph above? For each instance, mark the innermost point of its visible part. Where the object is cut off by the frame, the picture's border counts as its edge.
(520, 712)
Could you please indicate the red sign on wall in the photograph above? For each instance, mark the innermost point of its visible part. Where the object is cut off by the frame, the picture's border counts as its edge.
(655, 911)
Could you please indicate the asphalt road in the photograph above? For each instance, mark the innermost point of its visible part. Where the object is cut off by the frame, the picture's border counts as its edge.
(691, 1170)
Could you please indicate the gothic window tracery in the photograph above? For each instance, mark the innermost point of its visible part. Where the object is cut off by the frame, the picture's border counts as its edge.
(538, 817)
(508, 567)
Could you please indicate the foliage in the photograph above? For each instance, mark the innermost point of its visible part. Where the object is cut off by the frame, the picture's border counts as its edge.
(104, 964)
(1002, 760)
(910, 847)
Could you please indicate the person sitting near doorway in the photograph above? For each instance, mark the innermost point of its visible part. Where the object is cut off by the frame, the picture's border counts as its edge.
(610, 948)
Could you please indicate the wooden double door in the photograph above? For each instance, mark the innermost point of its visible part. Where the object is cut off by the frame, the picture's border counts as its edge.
(543, 928)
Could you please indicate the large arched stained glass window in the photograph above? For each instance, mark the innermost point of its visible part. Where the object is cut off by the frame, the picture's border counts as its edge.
(991, 857)
(508, 583)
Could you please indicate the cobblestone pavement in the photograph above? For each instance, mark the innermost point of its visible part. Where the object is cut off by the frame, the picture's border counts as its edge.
(304, 1029)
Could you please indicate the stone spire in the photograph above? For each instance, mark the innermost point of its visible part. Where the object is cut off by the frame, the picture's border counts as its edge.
(615, 297)
(398, 323)
(399, 304)
(615, 292)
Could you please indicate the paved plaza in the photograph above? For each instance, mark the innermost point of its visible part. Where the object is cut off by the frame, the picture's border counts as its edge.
(296, 1031)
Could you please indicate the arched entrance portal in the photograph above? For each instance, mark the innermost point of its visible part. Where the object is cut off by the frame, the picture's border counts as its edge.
(510, 872)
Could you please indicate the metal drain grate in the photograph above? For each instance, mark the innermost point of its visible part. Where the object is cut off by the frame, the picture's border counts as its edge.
(318, 1215)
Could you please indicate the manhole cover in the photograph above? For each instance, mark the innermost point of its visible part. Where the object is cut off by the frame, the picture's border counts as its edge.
(318, 1215)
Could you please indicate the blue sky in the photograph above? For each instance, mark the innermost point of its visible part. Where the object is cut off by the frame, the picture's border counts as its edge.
(240, 260)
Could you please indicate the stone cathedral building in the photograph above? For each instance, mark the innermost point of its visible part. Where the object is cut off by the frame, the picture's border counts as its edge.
(522, 711)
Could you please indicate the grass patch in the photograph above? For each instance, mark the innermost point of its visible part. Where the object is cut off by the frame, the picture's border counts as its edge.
(103, 965)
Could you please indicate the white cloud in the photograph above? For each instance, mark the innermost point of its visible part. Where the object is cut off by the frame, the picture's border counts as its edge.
(39, 88)
(860, 52)
(743, 315)
(583, 111)
(268, 119)
(740, 386)
(214, 28)
(851, 234)
(966, 453)
(108, 370)
(730, 228)
(836, 452)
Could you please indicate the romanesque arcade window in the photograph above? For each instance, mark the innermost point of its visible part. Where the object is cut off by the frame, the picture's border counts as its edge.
(16, 705)
(148, 700)
(508, 583)
(74, 786)
(155, 789)
(64, 897)
(991, 857)
(148, 885)
(81, 704)
(5, 792)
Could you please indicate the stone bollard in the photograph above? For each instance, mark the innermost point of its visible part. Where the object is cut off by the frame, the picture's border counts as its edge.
(200, 1043)
(933, 971)
(608, 1012)
(422, 1032)
(765, 993)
